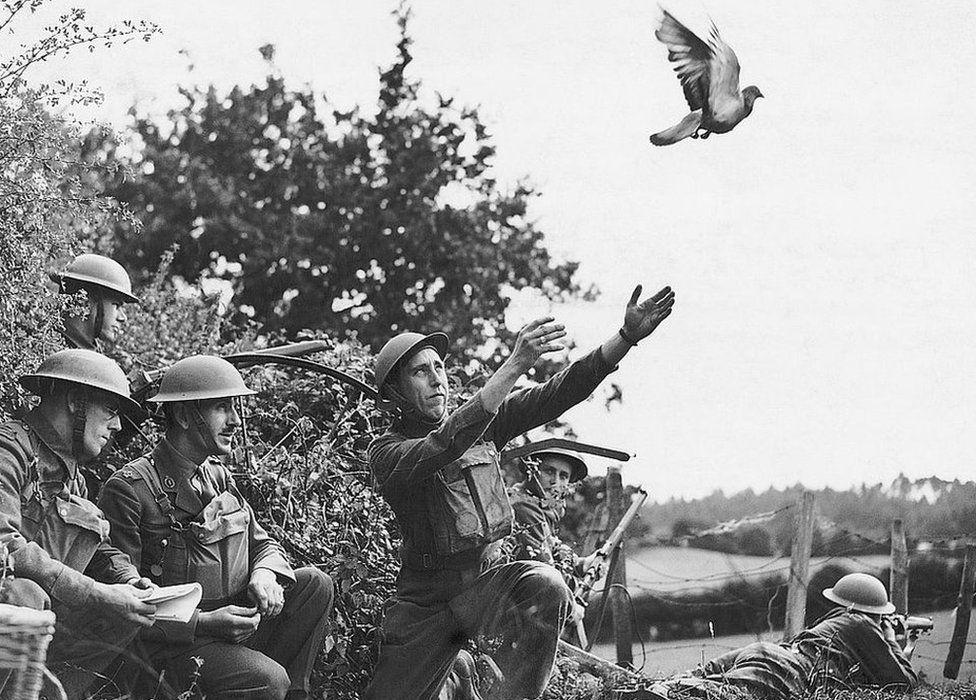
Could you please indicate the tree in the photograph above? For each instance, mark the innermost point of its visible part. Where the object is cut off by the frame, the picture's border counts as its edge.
(337, 221)
(49, 209)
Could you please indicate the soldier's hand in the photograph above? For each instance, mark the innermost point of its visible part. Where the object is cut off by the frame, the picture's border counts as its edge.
(265, 592)
(536, 339)
(640, 319)
(232, 623)
(576, 612)
(122, 601)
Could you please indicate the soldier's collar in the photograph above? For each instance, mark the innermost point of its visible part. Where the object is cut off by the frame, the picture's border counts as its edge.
(175, 471)
(172, 460)
(60, 446)
(76, 339)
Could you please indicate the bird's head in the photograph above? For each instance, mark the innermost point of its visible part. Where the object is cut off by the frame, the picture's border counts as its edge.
(750, 94)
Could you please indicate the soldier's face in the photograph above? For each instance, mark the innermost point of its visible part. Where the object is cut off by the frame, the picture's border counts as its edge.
(554, 473)
(113, 318)
(102, 422)
(220, 416)
(423, 383)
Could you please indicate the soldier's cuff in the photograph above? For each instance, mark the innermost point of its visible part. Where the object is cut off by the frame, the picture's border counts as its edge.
(70, 587)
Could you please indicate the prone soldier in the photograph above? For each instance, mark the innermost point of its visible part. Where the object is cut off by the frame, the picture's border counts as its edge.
(179, 515)
(439, 471)
(58, 538)
(854, 645)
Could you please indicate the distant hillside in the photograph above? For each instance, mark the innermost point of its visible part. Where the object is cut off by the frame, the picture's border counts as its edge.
(932, 509)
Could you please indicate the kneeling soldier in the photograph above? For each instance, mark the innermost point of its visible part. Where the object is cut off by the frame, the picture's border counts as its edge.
(439, 471)
(56, 534)
(178, 514)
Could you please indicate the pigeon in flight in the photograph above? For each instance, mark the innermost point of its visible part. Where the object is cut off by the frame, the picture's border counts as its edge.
(709, 75)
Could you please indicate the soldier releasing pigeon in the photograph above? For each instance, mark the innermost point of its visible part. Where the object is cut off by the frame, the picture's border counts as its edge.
(709, 75)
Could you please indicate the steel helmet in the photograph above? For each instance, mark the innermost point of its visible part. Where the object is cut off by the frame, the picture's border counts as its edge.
(86, 368)
(578, 466)
(861, 592)
(92, 270)
(402, 346)
(198, 378)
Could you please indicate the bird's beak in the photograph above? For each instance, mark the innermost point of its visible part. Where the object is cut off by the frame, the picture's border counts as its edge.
(759, 94)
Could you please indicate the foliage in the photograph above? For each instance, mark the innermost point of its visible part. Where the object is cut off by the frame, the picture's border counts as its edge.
(357, 224)
(50, 211)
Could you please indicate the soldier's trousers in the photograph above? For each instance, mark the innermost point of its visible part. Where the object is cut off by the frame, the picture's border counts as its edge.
(275, 662)
(524, 604)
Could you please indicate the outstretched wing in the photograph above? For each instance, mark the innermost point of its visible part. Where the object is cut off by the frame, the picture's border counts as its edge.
(691, 58)
(723, 78)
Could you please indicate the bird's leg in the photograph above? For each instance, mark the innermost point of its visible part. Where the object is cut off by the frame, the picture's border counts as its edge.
(705, 134)
(695, 135)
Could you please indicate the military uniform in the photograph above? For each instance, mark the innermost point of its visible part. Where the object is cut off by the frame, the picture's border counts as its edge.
(55, 535)
(843, 649)
(446, 488)
(176, 532)
(534, 536)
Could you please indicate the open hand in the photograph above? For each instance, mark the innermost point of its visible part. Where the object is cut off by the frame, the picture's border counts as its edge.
(640, 319)
(536, 339)
(265, 592)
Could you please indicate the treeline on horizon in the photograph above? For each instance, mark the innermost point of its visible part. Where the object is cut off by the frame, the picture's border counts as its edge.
(934, 511)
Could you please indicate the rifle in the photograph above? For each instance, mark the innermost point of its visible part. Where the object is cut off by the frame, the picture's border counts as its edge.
(592, 573)
(908, 627)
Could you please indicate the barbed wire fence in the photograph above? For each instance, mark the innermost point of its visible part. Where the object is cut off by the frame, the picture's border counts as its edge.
(767, 580)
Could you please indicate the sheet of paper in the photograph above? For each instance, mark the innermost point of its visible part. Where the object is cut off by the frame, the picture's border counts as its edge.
(176, 603)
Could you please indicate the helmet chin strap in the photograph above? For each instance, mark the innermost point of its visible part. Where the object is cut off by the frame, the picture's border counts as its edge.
(99, 320)
(203, 429)
(405, 409)
(78, 424)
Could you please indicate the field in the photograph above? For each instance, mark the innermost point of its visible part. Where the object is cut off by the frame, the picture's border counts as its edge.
(675, 570)
(684, 569)
(662, 659)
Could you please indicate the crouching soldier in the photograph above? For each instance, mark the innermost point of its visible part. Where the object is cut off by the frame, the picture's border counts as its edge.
(58, 538)
(108, 288)
(537, 516)
(439, 471)
(178, 514)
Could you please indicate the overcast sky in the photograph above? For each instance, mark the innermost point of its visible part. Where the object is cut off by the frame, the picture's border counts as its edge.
(822, 254)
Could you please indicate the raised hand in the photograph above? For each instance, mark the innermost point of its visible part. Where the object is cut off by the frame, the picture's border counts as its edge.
(640, 319)
(537, 338)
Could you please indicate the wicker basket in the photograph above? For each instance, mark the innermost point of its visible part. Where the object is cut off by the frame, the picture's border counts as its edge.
(24, 636)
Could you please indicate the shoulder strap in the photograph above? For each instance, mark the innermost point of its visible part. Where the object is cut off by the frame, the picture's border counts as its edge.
(145, 468)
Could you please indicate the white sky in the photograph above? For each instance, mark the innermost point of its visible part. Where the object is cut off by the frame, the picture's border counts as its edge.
(822, 253)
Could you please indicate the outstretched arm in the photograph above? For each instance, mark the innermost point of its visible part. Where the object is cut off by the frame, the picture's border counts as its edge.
(539, 404)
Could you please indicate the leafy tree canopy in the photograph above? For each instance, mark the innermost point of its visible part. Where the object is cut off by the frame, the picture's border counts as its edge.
(336, 221)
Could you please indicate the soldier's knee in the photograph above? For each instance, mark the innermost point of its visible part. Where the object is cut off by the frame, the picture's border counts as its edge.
(318, 585)
(273, 677)
(549, 584)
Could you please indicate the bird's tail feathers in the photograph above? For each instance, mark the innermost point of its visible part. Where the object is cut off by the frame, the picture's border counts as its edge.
(682, 130)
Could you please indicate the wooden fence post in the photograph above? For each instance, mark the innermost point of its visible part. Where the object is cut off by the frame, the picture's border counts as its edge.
(796, 595)
(898, 581)
(619, 605)
(963, 609)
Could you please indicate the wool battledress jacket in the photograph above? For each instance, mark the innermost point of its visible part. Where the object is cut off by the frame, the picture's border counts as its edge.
(444, 483)
(54, 531)
(174, 537)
